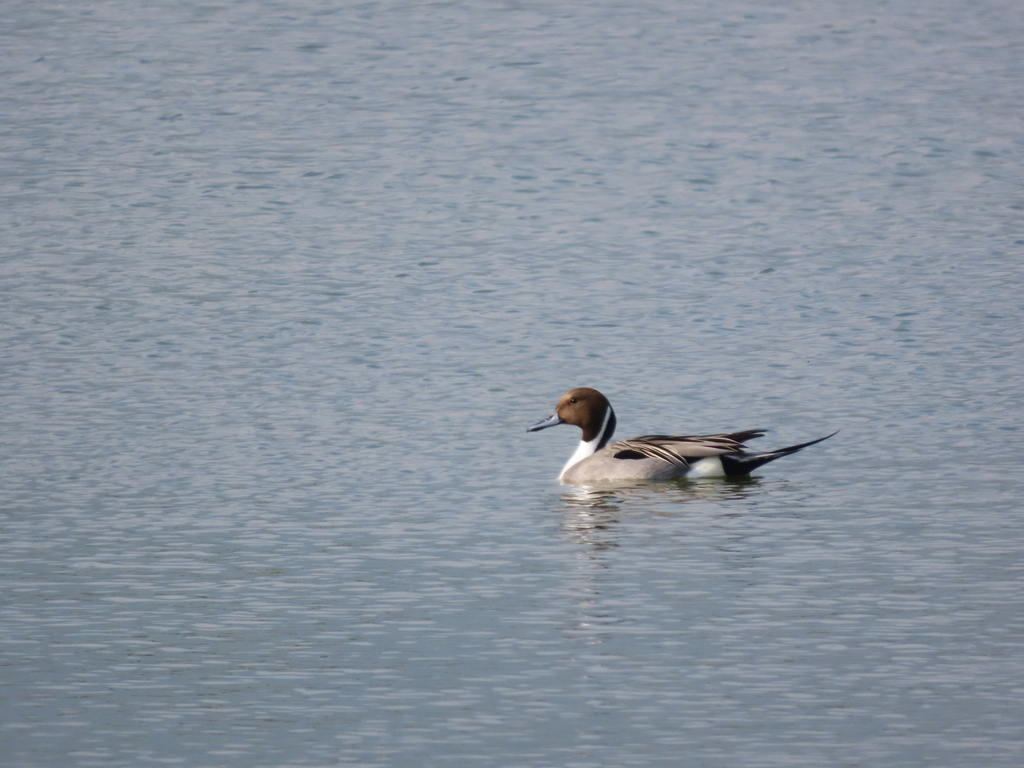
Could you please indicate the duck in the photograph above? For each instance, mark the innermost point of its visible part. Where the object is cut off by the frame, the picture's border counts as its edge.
(649, 457)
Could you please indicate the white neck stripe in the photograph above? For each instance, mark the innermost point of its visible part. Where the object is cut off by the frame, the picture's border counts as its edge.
(585, 450)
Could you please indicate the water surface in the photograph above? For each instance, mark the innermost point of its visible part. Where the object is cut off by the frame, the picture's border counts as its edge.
(284, 283)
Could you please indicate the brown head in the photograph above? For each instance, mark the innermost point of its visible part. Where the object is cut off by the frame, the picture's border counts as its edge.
(585, 408)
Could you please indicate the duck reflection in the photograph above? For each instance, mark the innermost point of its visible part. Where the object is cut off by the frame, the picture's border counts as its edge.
(603, 520)
(590, 517)
(591, 514)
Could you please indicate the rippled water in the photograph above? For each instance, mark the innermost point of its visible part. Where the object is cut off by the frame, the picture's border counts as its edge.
(283, 284)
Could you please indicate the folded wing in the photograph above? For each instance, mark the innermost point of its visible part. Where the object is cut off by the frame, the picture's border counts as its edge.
(681, 450)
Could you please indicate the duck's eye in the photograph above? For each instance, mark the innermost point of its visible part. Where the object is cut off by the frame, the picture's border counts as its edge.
(572, 400)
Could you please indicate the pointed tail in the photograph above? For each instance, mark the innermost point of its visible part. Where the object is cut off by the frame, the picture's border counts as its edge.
(745, 464)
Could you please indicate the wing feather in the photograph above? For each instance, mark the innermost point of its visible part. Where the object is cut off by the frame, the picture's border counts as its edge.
(681, 450)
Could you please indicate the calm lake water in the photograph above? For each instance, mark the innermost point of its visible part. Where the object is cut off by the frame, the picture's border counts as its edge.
(283, 283)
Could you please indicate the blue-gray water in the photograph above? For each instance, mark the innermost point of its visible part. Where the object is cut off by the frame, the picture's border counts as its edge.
(284, 282)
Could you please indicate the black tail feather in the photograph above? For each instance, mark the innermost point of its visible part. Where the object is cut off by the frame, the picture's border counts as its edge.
(743, 464)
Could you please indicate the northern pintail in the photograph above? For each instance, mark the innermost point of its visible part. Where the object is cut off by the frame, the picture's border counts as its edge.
(650, 457)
